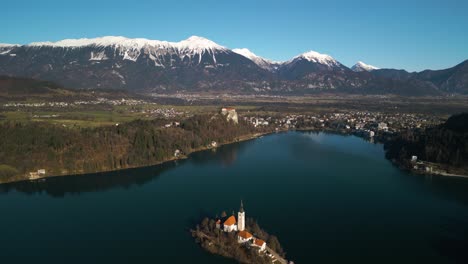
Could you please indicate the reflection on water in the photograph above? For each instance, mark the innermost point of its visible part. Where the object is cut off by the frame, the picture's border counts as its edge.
(445, 187)
(76, 184)
(96, 182)
(226, 154)
(452, 188)
(352, 205)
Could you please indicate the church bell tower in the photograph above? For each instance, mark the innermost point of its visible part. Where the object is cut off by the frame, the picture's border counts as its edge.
(241, 218)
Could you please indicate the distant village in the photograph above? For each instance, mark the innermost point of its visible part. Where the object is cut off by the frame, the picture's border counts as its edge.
(367, 124)
(98, 101)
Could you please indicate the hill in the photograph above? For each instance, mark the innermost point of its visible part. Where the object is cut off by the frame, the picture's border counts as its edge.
(445, 145)
(21, 88)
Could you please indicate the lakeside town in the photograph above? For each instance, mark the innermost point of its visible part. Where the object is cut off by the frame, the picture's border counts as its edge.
(374, 126)
(366, 123)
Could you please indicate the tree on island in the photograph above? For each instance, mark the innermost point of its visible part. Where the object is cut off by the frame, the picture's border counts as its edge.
(274, 244)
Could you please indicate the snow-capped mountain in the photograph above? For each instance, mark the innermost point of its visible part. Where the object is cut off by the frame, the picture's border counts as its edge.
(193, 49)
(361, 66)
(317, 58)
(260, 61)
(6, 48)
(119, 62)
(5, 45)
(193, 43)
(310, 65)
(198, 63)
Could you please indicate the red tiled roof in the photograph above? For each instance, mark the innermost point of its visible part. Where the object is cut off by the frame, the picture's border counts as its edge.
(259, 242)
(230, 221)
(244, 234)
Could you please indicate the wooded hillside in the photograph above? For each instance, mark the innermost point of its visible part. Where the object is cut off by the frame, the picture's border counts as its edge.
(31, 146)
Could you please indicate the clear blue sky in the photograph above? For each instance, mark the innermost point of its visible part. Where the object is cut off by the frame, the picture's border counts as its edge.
(412, 35)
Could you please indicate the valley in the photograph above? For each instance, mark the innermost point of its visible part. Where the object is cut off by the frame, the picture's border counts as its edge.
(67, 131)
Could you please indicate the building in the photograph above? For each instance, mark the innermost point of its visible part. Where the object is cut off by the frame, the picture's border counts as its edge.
(37, 174)
(226, 110)
(177, 153)
(230, 224)
(230, 114)
(260, 244)
(382, 126)
(244, 236)
(241, 218)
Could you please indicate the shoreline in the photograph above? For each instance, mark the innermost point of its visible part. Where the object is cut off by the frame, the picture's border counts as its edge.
(182, 157)
(397, 164)
(211, 237)
(430, 173)
(237, 140)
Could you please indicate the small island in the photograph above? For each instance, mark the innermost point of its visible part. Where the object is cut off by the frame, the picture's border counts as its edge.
(241, 239)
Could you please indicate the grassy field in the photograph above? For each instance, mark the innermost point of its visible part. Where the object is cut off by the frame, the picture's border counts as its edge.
(93, 116)
(78, 118)
(104, 115)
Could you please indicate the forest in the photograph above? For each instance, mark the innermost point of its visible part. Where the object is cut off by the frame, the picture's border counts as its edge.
(445, 144)
(31, 146)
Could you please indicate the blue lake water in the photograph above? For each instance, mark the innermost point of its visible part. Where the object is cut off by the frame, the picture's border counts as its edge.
(328, 198)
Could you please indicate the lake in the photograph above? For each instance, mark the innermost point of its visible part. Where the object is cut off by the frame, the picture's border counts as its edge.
(329, 199)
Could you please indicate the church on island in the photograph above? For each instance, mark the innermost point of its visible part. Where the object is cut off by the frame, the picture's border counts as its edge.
(230, 224)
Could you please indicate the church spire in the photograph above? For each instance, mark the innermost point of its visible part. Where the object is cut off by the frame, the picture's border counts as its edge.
(241, 218)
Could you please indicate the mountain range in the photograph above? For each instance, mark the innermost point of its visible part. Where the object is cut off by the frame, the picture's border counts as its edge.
(199, 64)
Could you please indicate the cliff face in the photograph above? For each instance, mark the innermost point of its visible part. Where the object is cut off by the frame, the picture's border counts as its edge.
(231, 115)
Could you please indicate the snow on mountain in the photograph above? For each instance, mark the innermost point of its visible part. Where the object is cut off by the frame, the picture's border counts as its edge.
(192, 43)
(261, 62)
(248, 54)
(6, 48)
(102, 42)
(316, 57)
(130, 49)
(361, 66)
(98, 56)
(6, 45)
(198, 46)
(198, 43)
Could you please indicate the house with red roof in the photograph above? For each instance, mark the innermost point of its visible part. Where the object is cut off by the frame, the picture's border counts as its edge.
(244, 236)
(230, 224)
(260, 244)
